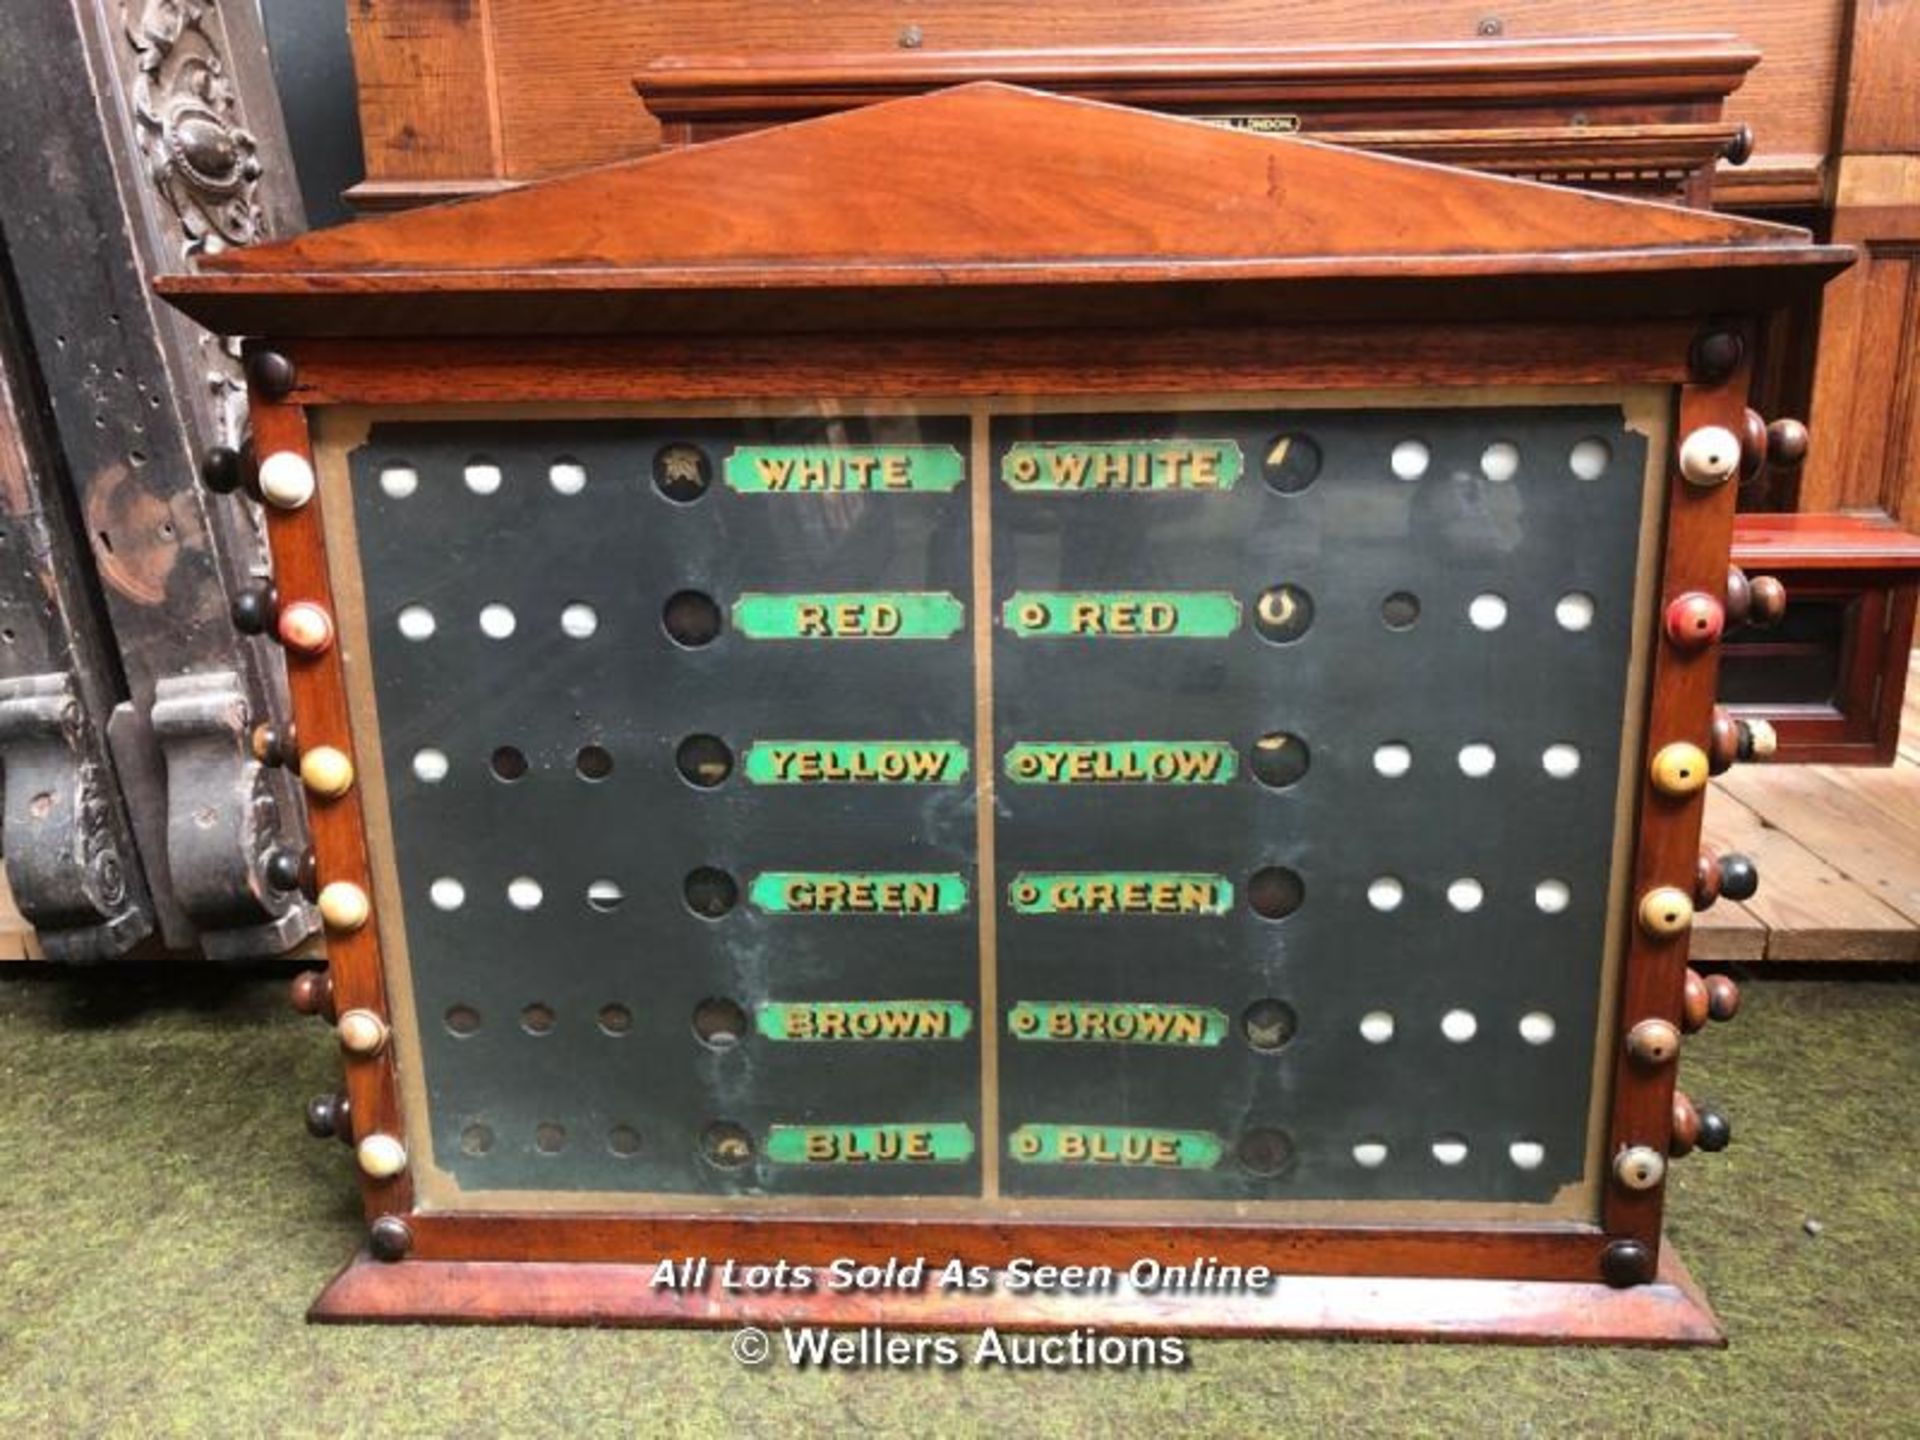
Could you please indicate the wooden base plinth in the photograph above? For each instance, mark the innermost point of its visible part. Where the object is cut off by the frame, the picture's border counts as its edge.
(1670, 1311)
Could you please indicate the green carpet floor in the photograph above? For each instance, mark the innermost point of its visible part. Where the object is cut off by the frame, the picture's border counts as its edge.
(164, 1221)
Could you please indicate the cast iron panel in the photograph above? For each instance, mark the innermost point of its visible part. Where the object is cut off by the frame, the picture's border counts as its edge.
(1355, 536)
(621, 546)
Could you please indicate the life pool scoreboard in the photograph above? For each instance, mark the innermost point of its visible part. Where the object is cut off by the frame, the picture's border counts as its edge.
(1004, 731)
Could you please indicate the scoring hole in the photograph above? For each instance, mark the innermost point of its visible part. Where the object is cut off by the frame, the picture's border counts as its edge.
(1552, 896)
(446, 893)
(497, 621)
(605, 896)
(1589, 458)
(682, 472)
(1459, 1026)
(1561, 761)
(524, 893)
(725, 1144)
(462, 1020)
(430, 766)
(593, 762)
(579, 620)
(623, 1140)
(567, 477)
(1386, 893)
(720, 1023)
(1269, 1024)
(691, 619)
(1477, 759)
(1282, 614)
(1266, 1152)
(1536, 1027)
(1279, 759)
(1527, 1154)
(1465, 894)
(482, 477)
(399, 481)
(1370, 1154)
(703, 760)
(549, 1138)
(1376, 1027)
(415, 622)
(507, 763)
(1292, 463)
(1574, 611)
(1393, 760)
(476, 1139)
(1487, 612)
(1400, 610)
(1275, 892)
(710, 893)
(1410, 459)
(614, 1019)
(537, 1019)
(1450, 1149)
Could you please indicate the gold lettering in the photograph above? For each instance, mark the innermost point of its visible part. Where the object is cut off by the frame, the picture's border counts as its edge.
(773, 473)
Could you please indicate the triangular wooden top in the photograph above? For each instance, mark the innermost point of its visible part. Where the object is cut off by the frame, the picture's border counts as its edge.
(982, 185)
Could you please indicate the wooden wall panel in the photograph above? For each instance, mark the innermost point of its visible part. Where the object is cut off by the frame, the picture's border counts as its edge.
(562, 96)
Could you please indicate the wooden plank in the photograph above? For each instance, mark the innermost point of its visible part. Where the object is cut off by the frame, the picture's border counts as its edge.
(1866, 822)
(1811, 910)
(1729, 931)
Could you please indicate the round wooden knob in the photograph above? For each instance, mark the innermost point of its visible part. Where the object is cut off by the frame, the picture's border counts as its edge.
(381, 1156)
(389, 1238)
(1708, 880)
(1695, 620)
(1666, 912)
(255, 609)
(223, 470)
(1769, 603)
(1686, 1127)
(344, 907)
(286, 480)
(1753, 444)
(273, 744)
(1640, 1167)
(1758, 740)
(1716, 1131)
(330, 1117)
(285, 868)
(1787, 442)
(1709, 456)
(305, 628)
(1625, 1263)
(1723, 998)
(1653, 1042)
(1739, 595)
(1679, 769)
(1739, 877)
(1693, 1002)
(362, 1033)
(328, 772)
(1723, 742)
(312, 993)
(271, 373)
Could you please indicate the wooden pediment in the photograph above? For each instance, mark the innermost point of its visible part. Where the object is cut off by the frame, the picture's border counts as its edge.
(988, 187)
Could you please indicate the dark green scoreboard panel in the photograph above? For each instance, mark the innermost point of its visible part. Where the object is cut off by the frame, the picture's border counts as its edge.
(1019, 805)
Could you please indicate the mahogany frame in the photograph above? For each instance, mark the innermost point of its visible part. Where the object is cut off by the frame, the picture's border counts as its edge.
(1496, 1281)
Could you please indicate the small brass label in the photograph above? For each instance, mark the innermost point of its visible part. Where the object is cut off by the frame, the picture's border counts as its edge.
(794, 892)
(864, 1020)
(1191, 615)
(1122, 762)
(1255, 124)
(889, 615)
(1140, 892)
(1116, 1022)
(838, 469)
(905, 1143)
(1144, 465)
(1120, 1145)
(856, 762)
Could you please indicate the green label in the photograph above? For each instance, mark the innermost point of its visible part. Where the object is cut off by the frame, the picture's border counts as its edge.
(1117, 1022)
(887, 615)
(1142, 465)
(1189, 615)
(1122, 762)
(837, 469)
(856, 762)
(1131, 892)
(901, 1144)
(864, 1020)
(829, 892)
(1115, 1145)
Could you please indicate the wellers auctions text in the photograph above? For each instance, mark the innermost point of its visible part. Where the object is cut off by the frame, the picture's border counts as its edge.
(874, 1348)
